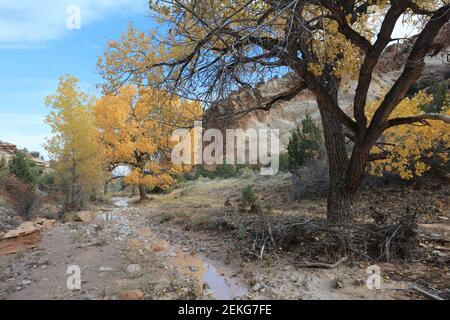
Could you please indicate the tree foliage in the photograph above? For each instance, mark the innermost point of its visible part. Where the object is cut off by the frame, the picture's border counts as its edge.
(25, 169)
(408, 150)
(305, 144)
(135, 129)
(74, 145)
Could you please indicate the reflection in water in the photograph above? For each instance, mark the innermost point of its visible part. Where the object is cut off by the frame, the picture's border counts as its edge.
(221, 287)
(121, 202)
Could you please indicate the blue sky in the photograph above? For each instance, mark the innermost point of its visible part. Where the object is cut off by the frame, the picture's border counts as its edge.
(36, 48)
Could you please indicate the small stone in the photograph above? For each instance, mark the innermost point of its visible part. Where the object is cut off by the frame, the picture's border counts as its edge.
(131, 295)
(193, 268)
(26, 282)
(105, 269)
(439, 253)
(338, 283)
(134, 269)
(256, 287)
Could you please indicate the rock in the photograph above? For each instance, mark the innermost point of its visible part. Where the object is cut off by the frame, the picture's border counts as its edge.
(26, 236)
(193, 268)
(105, 269)
(84, 216)
(338, 283)
(45, 223)
(256, 287)
(160, 246)
(439, 253)
(134, 269)
(26, 282)
(131, 295)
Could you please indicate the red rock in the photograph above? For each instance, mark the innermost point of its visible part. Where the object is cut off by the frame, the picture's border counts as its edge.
(26, 236)
(131, 295)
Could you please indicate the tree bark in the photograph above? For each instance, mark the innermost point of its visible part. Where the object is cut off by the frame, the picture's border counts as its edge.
(339, 195)
(142, 192)
(133, 191)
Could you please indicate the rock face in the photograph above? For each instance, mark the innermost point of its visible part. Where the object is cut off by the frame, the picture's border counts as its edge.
(285, 116)
(26, 236)
(8, 150)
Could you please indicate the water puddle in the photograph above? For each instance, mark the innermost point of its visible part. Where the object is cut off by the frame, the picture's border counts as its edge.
(121, 202)
(221, 286)
(111, 216)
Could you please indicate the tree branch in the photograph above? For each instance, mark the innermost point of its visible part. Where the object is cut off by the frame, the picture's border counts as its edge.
(421, 118)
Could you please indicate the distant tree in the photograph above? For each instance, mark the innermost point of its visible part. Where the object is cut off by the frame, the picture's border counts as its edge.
(305, 144)
(24, 169)
(74, 146)
(135, 130)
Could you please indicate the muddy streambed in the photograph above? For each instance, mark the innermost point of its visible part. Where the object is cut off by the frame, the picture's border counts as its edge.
(219, 280)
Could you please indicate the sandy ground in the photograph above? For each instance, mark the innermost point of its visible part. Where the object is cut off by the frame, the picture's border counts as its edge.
(174, 264)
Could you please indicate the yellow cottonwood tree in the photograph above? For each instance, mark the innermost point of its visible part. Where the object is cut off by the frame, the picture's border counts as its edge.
(74, 146)
(407, 150)
(136, 127)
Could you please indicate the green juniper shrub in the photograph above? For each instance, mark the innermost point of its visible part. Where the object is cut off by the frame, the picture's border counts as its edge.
(305, 144)
(25, 169)
(226, 171)
(248, 200)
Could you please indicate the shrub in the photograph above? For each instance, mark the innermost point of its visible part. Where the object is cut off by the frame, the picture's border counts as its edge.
(311, 180)
(284, 163)
(19, 194)
(305, 144)
(202, 172)
(24, 169)
(440, 100)
(246, 173)
(248, 201)
(45, 181)
(226, 171)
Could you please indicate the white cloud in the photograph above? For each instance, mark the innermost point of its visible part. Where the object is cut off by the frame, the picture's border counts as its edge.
(30, 22)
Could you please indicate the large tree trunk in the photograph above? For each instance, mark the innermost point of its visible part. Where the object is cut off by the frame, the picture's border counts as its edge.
(142, 192)
(133, 191)
(339, 197)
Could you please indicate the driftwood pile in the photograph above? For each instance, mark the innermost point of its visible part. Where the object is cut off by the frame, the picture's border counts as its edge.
(264, 233)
